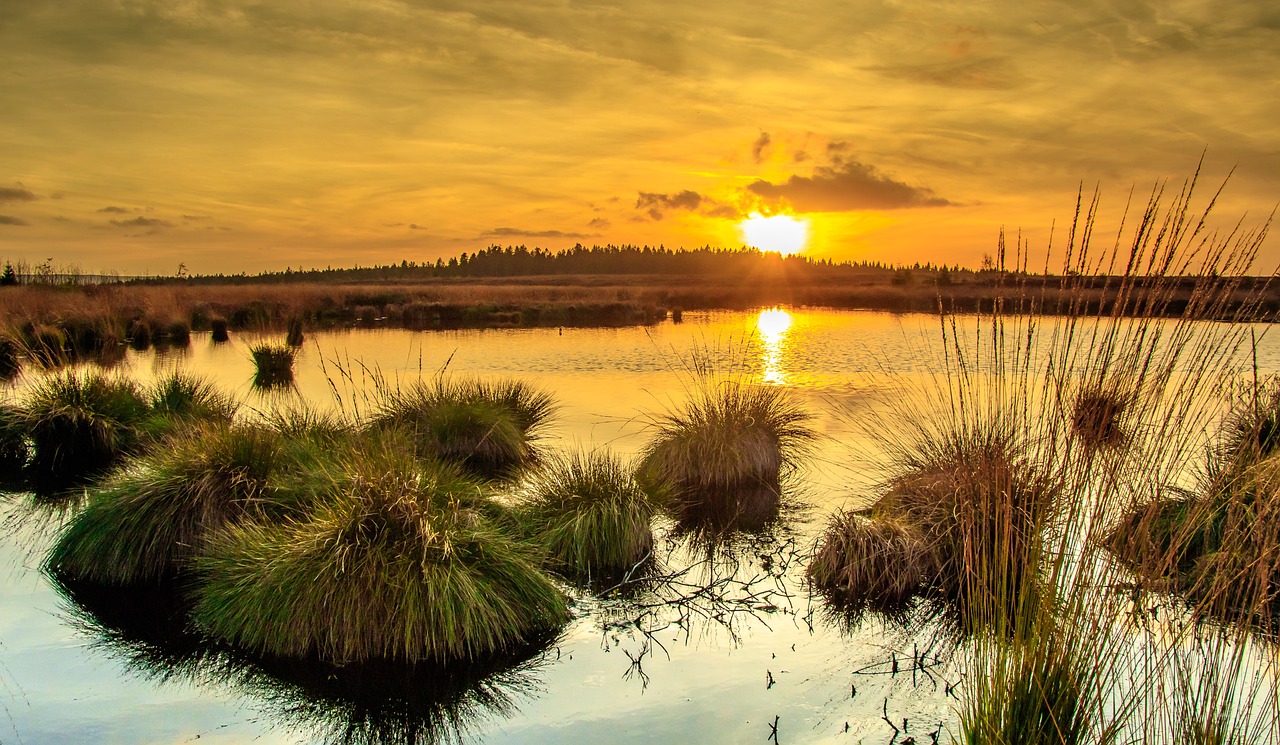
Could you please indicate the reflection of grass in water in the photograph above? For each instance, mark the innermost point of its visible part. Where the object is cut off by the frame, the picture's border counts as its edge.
(349, 704)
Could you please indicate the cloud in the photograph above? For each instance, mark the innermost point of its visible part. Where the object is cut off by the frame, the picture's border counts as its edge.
(655, 203)
(760, 148)
(522, 233)
(992, 73)
(599, 223)
(10, 194)
(844, 186)
(416, 226)
(10, 220)
(114, 210)
(142, 222)
(197, 217)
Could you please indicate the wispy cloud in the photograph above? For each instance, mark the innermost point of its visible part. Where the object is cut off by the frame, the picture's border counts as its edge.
(11, 220)
(142, 222)
(114, 210)
(11, 194)
(523, 233)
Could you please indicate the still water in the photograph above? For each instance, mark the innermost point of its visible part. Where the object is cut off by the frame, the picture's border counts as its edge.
(755, 659)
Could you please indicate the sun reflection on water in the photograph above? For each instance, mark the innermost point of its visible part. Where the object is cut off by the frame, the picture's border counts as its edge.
(772, 325)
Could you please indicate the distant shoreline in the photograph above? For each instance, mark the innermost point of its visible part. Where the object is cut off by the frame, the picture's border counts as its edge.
(603, 300)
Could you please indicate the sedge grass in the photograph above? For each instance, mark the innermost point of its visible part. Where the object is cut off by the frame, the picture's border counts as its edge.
(400, 560)
(218, 330)
(272, 365)
(13, 445)
(880, 563)
(80, 424)
(10, 357)
(179, 399)
(146, 523)
(489, 428)
(723, 455)
(589, 514)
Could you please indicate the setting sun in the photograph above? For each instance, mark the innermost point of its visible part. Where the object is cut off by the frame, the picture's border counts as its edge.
(782, 234)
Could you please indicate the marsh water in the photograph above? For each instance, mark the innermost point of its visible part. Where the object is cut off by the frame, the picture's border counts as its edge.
(730, 648)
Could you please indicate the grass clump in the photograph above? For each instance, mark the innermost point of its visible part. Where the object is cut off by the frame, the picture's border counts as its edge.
(139, 334)
(13, 445)
(722, 457)
(10, 357)
(273, 365)
(218, 330)
(590, 515)
(1097, 416)
(80, 424)
(878, 563)
(402, 559)
(178, 333)
(180, 398)
(146, 523)
(294, 335)
(491, 429)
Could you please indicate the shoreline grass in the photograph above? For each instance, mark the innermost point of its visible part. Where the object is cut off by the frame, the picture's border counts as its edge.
(272, 365)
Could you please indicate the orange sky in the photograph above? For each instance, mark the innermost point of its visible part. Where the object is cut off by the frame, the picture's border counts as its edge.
(238, 135)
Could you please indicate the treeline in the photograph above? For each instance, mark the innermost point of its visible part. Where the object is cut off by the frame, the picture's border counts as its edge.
(514, 261)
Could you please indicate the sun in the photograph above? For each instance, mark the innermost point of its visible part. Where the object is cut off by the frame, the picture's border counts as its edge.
(781, 234)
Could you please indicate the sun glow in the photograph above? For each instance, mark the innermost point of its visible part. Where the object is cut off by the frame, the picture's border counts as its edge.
(781, 234)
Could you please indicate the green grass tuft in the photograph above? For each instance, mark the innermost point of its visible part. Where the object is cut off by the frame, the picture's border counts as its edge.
(80, 424)
(490, 429)
(722, 456)
(589, 515)
(401, 560)
(273, 365)
(145, 524)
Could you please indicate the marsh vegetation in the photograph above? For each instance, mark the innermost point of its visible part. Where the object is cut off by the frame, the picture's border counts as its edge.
(1068, 527)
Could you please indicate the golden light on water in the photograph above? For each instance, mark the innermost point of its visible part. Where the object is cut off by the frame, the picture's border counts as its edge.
(783, 234)
(772, 326)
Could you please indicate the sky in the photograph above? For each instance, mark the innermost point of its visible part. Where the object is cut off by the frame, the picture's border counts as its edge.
(238, 135)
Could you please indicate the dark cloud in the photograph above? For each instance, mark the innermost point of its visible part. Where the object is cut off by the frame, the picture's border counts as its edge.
(722, 210)
(654, 204)
(114, 210)
(416, 226)
(522, 233)
(197, 217)
(10, 220)
(844, 186)
(10, 194)
(599, 223)
(142, 222)
(760, 148)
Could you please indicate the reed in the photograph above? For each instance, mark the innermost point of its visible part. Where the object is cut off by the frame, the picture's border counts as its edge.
(400, 560)
(178, 333)
(489, 428)
(139, 334)
(146, 523)
(724, 453)
(272, 364)
(589, 515)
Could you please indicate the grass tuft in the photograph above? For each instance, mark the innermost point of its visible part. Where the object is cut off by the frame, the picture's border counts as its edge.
(145, 524)
(294, 336)
(401, 560)
(879, 563)
(218, 330)
(722, 457)
(489, 428)
(589, 515)
(80, 424)
(10, 357)
(273, 365)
